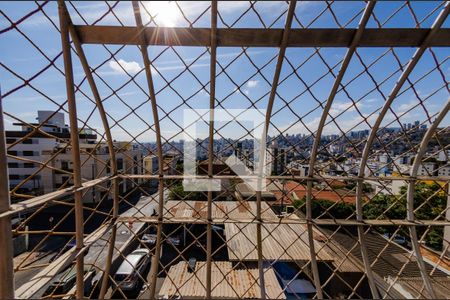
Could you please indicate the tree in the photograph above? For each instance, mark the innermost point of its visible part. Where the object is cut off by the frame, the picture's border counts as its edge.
(429, 200)
(177, 192)
(319, 206)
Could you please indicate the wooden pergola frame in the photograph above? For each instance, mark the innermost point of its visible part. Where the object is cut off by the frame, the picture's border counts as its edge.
(224, 37)
(256, 37)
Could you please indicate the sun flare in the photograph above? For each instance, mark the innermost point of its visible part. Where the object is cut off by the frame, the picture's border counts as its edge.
(165, 13)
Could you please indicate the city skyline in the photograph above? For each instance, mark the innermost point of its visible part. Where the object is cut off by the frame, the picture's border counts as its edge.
(249, 85)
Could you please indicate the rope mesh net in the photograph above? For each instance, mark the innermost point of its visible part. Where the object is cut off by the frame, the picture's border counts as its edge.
(348, 101)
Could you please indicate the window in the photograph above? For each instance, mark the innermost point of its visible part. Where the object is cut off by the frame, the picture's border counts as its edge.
(65, 165)
(12, 153)
(119, 164)
(10, 141)
(28, 153)
(27, 141)
(14, 177)
(65, 179)
(28, 165)
(13, 165)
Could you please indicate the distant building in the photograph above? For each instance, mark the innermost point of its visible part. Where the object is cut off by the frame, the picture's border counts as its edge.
(276, 159)
(298, 169)
(443, 155)
(246, 193)
(28, 152)
(384, 158)
(428, 169)
(50, 157)
(95, 163)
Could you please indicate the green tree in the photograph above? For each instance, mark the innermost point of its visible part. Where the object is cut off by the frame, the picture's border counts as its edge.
(177, 192)
(429, 203)
(319, 206)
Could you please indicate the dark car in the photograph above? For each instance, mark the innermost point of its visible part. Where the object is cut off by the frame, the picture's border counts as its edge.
(66, 280)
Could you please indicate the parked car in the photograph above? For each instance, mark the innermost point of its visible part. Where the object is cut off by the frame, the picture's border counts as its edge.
(66, 280)
(174, 240)
(292, 283)
(132, 268)
(399, 239)
(149, 239)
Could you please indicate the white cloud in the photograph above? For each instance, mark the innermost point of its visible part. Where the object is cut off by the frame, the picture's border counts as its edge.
(339, 107)
(188, 60)
(130, 67)
(181, 67)
(252, 83)
(402, 108)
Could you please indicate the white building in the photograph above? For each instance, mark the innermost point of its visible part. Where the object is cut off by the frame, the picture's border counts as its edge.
(25, 158)
(95, 163)
(443, 155)
(427, 169)
(298, 168)
(444, 170)
(51, 153)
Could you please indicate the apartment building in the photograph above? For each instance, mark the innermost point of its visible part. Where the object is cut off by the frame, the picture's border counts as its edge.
(25, 155)
(43, 163)
(276, 159)
(95, 163)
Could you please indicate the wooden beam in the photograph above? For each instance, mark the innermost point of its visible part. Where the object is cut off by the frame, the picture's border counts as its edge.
(34, 202)
(33, 285)
(255, 37)
(285, 220)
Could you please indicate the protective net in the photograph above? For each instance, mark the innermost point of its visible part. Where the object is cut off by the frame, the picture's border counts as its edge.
(250, 149)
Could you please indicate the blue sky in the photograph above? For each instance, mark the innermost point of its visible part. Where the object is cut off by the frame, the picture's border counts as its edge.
(19, 55)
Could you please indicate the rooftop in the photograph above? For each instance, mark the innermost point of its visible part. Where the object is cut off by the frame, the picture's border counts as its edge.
(227, 282)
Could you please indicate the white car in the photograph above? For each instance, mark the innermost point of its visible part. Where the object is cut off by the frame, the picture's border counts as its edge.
(132, 269)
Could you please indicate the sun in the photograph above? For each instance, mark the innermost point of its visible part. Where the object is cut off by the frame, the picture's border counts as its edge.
(165, 13)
